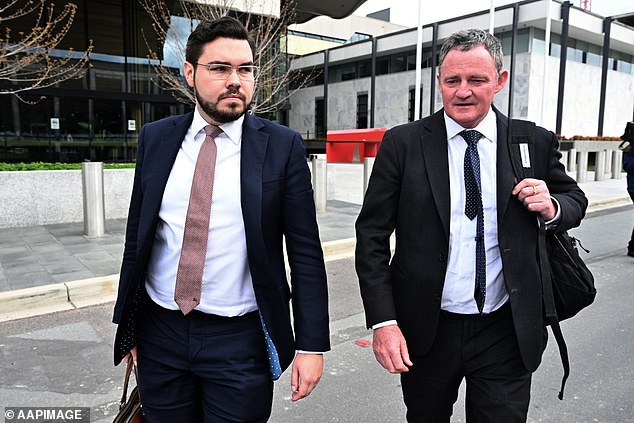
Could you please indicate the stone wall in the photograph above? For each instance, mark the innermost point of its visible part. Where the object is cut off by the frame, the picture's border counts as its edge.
(32, 198)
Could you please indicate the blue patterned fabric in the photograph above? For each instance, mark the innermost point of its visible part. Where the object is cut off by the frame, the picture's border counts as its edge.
(473, 208)
(274, 361)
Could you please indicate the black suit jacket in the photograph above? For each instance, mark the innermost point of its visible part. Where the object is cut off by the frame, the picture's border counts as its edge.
(277, 202)
(409, 192)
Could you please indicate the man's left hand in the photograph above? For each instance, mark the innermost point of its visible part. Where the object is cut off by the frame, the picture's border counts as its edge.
(534, 194)
(307, 370)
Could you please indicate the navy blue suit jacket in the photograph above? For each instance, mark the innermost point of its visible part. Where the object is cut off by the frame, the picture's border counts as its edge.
(277, 203)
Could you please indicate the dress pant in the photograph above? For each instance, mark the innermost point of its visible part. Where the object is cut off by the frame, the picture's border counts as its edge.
(481, 349)
(201, 367)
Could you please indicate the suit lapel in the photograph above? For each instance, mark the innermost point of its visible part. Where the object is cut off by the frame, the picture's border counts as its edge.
(434, 146)
(505, 177)
(253, 151)
(171, 140)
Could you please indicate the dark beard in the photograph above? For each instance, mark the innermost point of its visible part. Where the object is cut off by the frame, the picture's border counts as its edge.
(221, 116)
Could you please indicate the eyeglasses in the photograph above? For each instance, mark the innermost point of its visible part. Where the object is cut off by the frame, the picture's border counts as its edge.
(222, 71)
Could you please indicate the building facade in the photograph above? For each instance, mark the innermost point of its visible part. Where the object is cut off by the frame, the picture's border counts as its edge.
(345, 78)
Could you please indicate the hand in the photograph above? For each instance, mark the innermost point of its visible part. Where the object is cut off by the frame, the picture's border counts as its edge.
(536, 197)
(307, 370)
(390, 349)
(132, 354)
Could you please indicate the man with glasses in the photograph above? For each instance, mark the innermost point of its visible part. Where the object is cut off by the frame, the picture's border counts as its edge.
(203, 304)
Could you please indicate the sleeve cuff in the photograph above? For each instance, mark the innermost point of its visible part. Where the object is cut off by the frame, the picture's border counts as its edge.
(309, 352)
(552, 223)
(382, 324)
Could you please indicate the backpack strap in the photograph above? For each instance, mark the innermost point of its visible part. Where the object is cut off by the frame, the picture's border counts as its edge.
(521, 139)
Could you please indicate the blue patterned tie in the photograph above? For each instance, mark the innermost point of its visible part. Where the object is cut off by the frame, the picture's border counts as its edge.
(473, 208)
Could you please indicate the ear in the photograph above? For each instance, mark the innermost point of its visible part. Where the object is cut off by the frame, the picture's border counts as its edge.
(504, 76)
(189, 70)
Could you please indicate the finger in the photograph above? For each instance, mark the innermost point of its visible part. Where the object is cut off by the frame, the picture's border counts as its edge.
(405, 355)
(294, 380)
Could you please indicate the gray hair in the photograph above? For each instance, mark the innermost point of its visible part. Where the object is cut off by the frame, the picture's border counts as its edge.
(472, 38)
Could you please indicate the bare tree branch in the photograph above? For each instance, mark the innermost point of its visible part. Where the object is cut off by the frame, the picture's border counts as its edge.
(30, 60)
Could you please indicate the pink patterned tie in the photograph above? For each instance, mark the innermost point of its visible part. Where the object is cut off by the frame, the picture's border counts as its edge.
(192, 262)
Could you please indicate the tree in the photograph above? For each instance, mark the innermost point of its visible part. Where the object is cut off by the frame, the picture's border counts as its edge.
(273, 77)
(29, 59)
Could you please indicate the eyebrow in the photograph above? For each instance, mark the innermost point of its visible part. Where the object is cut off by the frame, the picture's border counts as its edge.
(220, 62)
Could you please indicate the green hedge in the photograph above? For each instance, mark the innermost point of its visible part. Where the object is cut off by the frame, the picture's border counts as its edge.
(10, 167)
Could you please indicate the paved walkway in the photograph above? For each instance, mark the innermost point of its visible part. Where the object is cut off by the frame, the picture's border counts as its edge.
(39, 256)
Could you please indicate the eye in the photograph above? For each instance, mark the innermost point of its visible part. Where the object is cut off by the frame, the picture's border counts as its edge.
(217, 68)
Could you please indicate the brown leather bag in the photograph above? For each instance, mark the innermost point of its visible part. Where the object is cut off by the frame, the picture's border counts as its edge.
(130, 410)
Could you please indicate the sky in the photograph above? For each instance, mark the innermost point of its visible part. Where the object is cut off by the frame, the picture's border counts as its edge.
(405, 12)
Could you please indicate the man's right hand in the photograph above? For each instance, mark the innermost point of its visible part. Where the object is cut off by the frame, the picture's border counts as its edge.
(390, 349)
(132, 354)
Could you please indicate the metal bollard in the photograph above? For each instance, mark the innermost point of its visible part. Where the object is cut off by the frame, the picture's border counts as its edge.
(320, 181)
(582, 166)
(93, 197)
(368, 164)
(617, 164)
(599, 166)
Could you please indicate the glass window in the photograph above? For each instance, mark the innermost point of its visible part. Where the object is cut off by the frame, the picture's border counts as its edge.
(398, 63)
(382, 65)
(320, 130)
(364, 68)
(362, 111)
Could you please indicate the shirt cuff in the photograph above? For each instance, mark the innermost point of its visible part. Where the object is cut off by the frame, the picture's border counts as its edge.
(383, 324)
(309, 352)
(552, 223)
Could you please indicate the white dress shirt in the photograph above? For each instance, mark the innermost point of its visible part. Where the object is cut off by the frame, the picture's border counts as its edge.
(457, 294)
(227, 289)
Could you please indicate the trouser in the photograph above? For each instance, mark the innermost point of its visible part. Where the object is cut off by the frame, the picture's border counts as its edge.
(484, 351)
(201, 367)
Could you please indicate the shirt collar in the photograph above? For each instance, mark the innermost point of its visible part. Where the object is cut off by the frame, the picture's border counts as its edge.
(233, 129)
(488, 126)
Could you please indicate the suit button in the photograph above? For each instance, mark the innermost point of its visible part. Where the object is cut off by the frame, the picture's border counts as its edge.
(437, 298)
(442, 258)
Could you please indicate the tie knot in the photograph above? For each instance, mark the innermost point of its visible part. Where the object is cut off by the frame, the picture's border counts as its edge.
(471, 136)
(212, 130)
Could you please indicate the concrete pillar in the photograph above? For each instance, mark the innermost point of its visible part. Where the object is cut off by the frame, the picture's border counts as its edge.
(608, 162)
(564, 159)
(320, 181)
(368, 164)
(617, 164)
(599, 170)
(582, 166)
(572, 160)
(93, 198)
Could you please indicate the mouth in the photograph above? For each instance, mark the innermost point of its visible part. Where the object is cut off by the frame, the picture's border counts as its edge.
(232, 96)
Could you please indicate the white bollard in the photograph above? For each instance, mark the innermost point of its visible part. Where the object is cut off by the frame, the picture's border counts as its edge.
(582, 166)
(93, 197)
(320, 181)
(368, 164)
(572, 160)
(599, 166)
(564, 159)
(617, 164)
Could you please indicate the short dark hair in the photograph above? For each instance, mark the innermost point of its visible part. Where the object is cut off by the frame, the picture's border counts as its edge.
(472, 38)
(207, 31)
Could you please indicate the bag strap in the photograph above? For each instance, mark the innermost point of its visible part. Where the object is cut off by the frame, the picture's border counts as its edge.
(126, 380)
(521, 131)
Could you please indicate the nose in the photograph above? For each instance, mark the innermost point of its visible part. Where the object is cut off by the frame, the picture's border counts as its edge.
(233, 78)
(463, 91)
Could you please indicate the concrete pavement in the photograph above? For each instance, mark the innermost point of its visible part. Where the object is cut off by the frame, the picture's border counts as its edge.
(55, 267)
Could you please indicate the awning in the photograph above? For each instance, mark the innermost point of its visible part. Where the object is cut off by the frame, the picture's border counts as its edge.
(308, 9)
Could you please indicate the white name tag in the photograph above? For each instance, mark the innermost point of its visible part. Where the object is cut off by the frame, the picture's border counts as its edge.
(524, 154)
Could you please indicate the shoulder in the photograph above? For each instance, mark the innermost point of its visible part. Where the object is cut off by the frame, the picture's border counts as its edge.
(161, 124)
(270, 127)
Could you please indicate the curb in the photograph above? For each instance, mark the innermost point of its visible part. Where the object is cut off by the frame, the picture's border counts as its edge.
(35, 301)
